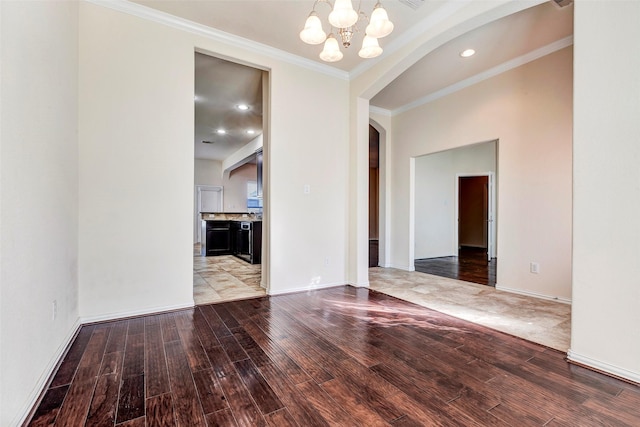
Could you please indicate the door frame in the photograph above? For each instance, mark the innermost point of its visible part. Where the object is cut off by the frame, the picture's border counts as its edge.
(491, 214)
(196, 211)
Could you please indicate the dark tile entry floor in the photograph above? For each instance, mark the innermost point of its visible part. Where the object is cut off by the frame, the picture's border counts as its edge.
(470, 265)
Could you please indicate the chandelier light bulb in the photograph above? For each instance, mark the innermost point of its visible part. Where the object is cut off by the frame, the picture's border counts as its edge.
(370, 48)
(343, 14)
(331, 51)
(379, 25)
(312, 32)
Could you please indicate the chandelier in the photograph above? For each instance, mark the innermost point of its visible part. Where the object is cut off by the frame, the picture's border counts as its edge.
(344, 20)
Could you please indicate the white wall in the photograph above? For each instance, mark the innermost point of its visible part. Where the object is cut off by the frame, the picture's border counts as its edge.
(606, 244)
(207, 172)
(435, 195)
(529, 110)
(434, 208)
(38, 196)
(235, 187)
(136, 86)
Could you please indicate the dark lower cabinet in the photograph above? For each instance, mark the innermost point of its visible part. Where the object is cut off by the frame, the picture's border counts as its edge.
(217, 238)
(240, 238)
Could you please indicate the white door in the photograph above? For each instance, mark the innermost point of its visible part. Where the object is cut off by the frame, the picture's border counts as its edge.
(208, 199)
(491, 225)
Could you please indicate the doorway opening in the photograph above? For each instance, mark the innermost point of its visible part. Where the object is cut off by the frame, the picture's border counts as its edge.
(374, 196)
(230, 147)
(455, 220)
(473, 213)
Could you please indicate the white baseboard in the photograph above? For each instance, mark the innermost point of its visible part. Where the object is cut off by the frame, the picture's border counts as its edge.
(533, 294)
(306, 288)
(403, 267)
(359, 285)
(603, 367)
(134, 313)
(43, 381)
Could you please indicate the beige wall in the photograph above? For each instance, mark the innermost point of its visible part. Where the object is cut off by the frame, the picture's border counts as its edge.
(38, 196)
(529, 110)
(606, 244)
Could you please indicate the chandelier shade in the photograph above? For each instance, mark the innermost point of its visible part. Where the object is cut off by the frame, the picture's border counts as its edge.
(312, 32)
(379, 25)
(331, 51)
(370, 48)
(343, 14)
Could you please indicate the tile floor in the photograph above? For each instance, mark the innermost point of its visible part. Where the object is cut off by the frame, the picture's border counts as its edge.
(541, 321)
(224, 278)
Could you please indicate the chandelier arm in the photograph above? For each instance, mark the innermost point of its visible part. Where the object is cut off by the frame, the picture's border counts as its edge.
(366, 17)
(322, 1)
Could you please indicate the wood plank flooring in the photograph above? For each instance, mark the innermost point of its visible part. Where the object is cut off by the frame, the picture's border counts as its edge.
(471, 265)
(334, 357)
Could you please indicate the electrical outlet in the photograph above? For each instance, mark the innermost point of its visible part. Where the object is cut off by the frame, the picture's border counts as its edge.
(306, 189)
(534, 267)
(54, 309)
(326, 261)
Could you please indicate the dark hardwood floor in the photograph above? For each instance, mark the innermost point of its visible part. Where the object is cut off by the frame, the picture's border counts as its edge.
(471, 265)
(341, 356)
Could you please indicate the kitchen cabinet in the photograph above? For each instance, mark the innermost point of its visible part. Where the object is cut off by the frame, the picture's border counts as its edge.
(217, 238)
(240, 238)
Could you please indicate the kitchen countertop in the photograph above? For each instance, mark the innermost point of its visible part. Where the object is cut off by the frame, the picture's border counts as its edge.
(230, 216)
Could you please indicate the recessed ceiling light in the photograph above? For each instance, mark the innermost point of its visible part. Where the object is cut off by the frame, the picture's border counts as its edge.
(251, 131)
(242, 107)
(221, 131)
(467, 53)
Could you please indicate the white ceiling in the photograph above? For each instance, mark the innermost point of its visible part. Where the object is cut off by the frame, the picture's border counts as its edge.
(220, 86)
(277, 24)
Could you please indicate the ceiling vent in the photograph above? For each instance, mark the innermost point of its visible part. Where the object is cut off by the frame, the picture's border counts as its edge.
(207, 142)
(559, 3)
(413, 4)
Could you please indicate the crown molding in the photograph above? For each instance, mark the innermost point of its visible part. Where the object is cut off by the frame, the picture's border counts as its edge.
(492, 72)
(169, 20)
(380, 111)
